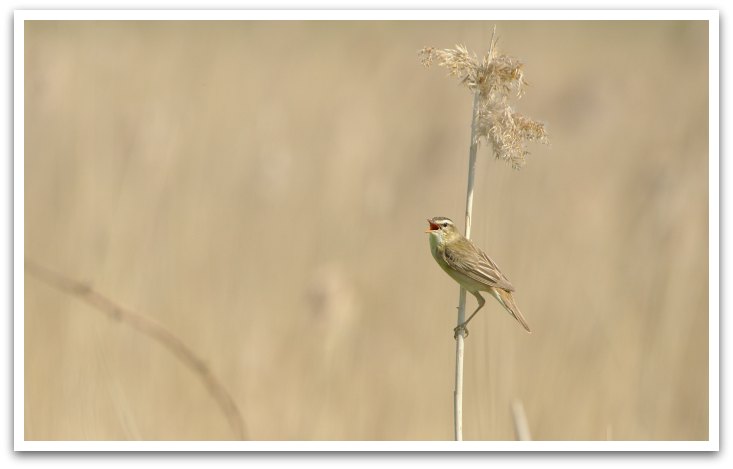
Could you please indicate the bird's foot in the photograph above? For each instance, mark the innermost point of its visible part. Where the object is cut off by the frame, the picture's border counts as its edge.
(462, 330)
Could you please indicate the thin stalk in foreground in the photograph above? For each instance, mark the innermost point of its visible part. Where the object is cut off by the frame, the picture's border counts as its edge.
(458, 392)
(492, 79)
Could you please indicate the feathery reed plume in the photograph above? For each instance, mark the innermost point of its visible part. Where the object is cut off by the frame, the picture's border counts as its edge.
(152, 329)
(493, 79)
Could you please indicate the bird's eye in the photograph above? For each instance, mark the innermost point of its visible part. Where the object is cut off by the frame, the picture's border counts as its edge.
(445, 225)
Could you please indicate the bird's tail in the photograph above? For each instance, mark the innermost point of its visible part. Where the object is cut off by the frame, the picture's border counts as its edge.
(507, 301)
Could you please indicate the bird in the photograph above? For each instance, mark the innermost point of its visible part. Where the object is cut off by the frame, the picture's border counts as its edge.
(471, 268)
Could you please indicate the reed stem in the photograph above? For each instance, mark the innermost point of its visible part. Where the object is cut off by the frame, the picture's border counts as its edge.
(460, 337)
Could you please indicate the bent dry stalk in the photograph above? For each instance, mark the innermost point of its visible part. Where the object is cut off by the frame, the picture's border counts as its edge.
(493, 79)
(152, 329)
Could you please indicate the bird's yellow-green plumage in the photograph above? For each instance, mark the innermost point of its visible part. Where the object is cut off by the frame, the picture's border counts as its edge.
(470, 267)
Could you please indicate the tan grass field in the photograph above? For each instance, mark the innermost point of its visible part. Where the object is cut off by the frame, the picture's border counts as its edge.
(260, 189)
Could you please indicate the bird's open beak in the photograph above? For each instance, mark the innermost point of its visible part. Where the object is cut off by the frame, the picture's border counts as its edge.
(432, 227)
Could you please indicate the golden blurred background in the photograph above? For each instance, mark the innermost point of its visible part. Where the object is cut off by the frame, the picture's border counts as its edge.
(260, 189)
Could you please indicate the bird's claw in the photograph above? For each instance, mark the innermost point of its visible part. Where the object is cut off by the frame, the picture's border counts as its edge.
(462, 329)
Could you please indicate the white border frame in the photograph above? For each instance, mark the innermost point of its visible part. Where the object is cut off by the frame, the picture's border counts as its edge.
(712, 16)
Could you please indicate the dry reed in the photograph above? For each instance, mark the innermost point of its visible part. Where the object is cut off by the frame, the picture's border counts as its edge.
(152, 329)
(493, 79)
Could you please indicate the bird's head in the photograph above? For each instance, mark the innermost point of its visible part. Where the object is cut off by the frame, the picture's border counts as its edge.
(442, 229)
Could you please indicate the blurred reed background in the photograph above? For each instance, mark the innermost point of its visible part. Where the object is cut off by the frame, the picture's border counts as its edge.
(261, 189)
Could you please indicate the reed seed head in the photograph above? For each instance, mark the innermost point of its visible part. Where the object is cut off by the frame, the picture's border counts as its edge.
(495, 78)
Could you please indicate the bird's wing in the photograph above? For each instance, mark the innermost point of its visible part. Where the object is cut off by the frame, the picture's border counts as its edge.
(479, 267)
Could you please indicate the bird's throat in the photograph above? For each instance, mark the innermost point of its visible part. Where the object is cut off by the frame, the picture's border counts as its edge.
(436, 246)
